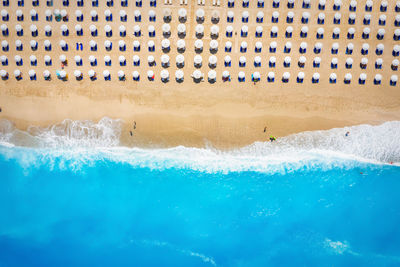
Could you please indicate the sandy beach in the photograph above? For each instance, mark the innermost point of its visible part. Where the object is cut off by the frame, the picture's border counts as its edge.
(224, 114)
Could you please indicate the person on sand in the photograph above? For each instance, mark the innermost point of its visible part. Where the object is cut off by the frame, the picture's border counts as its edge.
(134, 125)
(347, 134)
(265, 129)
(272, 139)
(131, 133)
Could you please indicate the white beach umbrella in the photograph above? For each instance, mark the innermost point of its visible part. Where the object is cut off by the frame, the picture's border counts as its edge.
(198, 44)
(197, 59)
(46, 73)
(179, 74)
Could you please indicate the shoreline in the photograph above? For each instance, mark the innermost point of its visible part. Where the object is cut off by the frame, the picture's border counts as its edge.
(225, 126)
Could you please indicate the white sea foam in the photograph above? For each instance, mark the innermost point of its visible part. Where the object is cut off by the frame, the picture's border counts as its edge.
(73, 144)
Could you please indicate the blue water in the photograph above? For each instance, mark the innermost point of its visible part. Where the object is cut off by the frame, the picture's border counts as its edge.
(111, 213)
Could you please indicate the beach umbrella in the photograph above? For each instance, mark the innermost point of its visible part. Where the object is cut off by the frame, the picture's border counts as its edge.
(271, 76)
(179, 76)
(151, 46)
(121, 75)
(92, 60)
(20, 14)
(197, 61)
(122, 45)
(259, 31)
(4, 74)
(63, 59)
(256, 77)
(63, 75)
(181, 30)
(47, 30)
(378, 63)
(288, 47)
(122, 60)
(4, 60)
(108, 45)
(200, 15)
(260, 17)
(164, 76)
(286, 61)
(150, 75)
(395, 64)
(272, 46)
(136, 30)
(197, 76)
(241, 76)
(362, 78)
(230, 16)
(122, 31)
(245, 16)
(227, 61)
(349, 48)
(166, 28)
(285, 77)
(378, 79)
(257, 61)
(300, 77)
(272, 61)
(18, 74)
(214, 31)
(46, 75)
(364, 62)
(18, 45)
(94, 15)
(229, 31)
(135, 75)
(334, 62)
(106, 75)
(274, 31)
(213, 46)
(289, 17)
(335, 47)
(332, 78)
(244, 31)
(47, 60)
(243, 47)
(212, 76)
(379, 49)
(165, 61)
(151, 30)
(93, 45)
(347, 78)
(64, 14)
(152, 15)
(182, 13)
(215, 16)
(315, 77)
(228, 46)
(275, 16)
(181, 45)
(303, 47)
(108, 15)
(180, 61)
(305, 17)
(108, 30)
(242, 61)
(304, 31)
(136, 45)
(364, 49)
(33, 60)
(92, 75)
(34, 30)
(393, 80)
(136, 60)
(107, 60)
(165, 45)
(167, 15)
(212, 61)
(79, 15)
(78, 75)
(151, 61)
(19, 30)
(226, 76)
(320, 33)
(198, 46)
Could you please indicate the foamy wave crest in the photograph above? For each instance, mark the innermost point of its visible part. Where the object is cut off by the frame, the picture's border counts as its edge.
(67, 134)
(88, 143)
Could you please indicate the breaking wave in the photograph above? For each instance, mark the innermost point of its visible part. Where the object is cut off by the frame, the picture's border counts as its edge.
(73, 144)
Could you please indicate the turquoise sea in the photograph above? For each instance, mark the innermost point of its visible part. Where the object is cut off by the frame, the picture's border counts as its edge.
(71, 196)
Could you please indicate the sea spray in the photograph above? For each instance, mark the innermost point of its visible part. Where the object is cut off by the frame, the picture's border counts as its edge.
(73, 144)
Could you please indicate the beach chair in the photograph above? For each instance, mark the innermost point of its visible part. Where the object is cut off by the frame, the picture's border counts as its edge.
(218, 2)
(185, 2)
(165, 2)
(181, 2)
(199, 2)
(214, 3)
(203, 2)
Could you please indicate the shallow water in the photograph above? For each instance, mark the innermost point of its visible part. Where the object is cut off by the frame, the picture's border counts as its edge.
(290, 204)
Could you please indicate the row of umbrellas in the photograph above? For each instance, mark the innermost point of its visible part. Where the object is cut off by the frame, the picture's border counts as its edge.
(197, 76)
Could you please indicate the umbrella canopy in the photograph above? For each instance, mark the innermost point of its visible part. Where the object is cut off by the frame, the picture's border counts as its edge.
(179, 74)
(198, 59)
(164, 74)
(46, 73)
(164, 59)
(121, 74)
(212, 74)
(225, 74)
(180, 59)
(165, 43)
(91, 73)
(106, 73)
(212, 60)
(214, 44)
(197, 74)
(77, 73)
(198, 44)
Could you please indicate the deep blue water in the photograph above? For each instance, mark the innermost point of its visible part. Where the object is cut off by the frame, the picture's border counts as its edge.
(110, 213)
